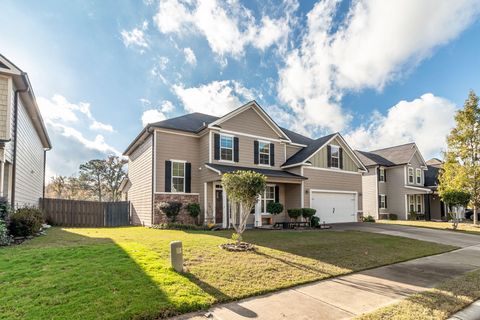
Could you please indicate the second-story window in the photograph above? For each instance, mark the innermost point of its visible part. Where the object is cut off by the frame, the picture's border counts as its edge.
(410, 176)
(381, 174)
(419, 176)
(264, 153)
(178, 176)
(226, 148)
(335, 156)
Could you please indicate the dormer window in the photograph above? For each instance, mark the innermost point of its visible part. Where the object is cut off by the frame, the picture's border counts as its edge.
(410, 176)
(335, 156)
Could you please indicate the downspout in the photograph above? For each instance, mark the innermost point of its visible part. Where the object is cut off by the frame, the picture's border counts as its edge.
(15, 131)
(153, 175)
(44, 173)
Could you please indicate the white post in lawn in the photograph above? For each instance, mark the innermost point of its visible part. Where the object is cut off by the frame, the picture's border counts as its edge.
(176, 255)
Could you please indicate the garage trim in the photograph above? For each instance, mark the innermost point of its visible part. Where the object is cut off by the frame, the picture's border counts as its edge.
(334, 191)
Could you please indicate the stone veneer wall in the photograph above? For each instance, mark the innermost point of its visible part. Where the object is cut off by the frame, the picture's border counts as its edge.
(183, 216)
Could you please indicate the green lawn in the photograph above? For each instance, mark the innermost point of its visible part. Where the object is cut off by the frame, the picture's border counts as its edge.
(462, 227)
(120, 273)
(439, 303)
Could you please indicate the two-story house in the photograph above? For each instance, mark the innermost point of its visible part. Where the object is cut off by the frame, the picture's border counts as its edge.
(183, 159)
(23, 139)
(395, 182)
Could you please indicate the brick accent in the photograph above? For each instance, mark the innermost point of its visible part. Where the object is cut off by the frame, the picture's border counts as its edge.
(183, 216)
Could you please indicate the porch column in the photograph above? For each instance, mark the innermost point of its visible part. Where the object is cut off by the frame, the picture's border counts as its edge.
(2, 177)
(258, 214)
(225, 211)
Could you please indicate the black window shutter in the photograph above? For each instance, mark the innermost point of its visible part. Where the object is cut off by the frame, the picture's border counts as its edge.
(168, 176)
(255, 152)
(272, 154)
(340, 158)
(235, 149)
(384, 175)
(386, 202)
(329, 156)
(216, 144)
(378, 173)
(277, 196)
(379, 201)
(188, 177)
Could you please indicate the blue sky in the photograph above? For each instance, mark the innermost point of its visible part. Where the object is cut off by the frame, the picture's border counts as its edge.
(380, 73)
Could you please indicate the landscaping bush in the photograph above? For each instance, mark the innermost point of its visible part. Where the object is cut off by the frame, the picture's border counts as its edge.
(25, 222)
(5, 208)
(368, 218)
(274, 208)
(412, 216)
(308, 213)
(392, 216)
(294, 213)
(170, 209)
(314, 222)
(193, 210)
(5, 238)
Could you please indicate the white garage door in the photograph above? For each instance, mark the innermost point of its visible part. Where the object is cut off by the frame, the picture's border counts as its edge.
(334, 207)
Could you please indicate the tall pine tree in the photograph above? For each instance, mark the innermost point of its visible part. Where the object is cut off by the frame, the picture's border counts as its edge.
(461, 170)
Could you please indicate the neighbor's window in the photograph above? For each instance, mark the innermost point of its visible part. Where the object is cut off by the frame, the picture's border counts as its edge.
(264, 153)
(268, 196)
(335, 156)
(383, 204)
(178, 176)
(411, 203)
(226, 147)
(419, 176)
(419, 203)
(410, 175)
(382, 174)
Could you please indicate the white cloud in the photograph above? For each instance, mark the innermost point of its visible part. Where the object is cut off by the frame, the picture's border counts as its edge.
(190, 56)
(215, 98)
(136, 37)
(167, 106)
(426, 120)
(376, 43)
(228, 28)
(99, 126)
(152, 115)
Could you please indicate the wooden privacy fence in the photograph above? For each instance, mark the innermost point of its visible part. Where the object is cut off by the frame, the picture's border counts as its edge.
(77, 213)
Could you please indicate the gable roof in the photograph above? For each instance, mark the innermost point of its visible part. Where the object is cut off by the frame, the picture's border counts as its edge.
(391, 156)
(223, 168)
(431, 176)
(192, 122)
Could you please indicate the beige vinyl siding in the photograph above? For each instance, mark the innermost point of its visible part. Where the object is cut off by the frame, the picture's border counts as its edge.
(140, 175)
(395, 187)
(291, 150)
(320, 158)
(369, 193)
(6, 93)
(176, 147)
(29, 177)
(292, 196)
(331, 180)
(249, 121)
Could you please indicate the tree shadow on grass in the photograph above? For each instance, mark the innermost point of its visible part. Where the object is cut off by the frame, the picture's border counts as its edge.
(79, 277)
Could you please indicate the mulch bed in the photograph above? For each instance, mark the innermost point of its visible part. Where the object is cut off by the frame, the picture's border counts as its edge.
(234, 247)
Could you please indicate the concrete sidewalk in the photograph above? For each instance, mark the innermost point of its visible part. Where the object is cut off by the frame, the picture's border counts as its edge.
(351, 295)
(472, 312)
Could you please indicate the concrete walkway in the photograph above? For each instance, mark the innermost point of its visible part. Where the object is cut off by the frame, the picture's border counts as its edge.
(362, 292)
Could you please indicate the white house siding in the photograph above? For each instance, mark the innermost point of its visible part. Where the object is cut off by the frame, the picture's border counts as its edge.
(369, 193)
(29, 175)
(140, 175)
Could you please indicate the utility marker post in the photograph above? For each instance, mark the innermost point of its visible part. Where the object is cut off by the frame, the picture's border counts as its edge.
(176, 255)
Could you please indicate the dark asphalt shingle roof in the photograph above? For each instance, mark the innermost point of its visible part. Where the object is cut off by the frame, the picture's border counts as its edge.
(305, 153)
(297, 137)
(431, 176)
(268, 172)
(390, 156)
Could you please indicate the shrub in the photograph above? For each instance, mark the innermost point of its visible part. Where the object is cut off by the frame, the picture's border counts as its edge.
(392, 216)
(170, 209)
(308, 213)
(274, 208)
(314, 221)
(194, 210)
(368, 218)
(25, 222)
(5, 209)
(5, 238)
(412, 216)
(294, 213)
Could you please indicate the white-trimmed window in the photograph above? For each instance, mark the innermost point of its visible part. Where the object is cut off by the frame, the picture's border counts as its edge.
(268, 197)
(411, 203)
(226, 147)
(264, 152)
(381, 175)
(419, 203)
(383, 202)
(411, 178)
(418, 175)
(178, 176)
(335, 156)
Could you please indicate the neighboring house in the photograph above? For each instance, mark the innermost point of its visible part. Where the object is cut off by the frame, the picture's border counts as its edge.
(438, 209)
(183, 159)
(23, 139)
(395, 182)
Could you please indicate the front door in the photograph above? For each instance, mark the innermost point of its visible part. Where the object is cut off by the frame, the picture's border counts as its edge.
(218, 206)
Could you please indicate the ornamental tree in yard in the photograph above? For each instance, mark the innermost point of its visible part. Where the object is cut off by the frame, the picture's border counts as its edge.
(243, 189)
(454, 198)
(461, 170)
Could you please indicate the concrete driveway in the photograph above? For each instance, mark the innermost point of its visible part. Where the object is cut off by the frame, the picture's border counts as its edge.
(362, 292)
(452, 238)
